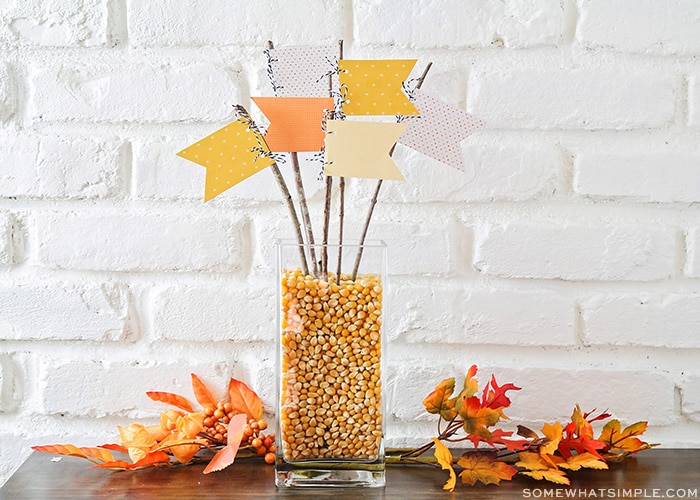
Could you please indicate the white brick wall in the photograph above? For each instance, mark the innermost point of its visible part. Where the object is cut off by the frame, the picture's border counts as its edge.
(565, 259)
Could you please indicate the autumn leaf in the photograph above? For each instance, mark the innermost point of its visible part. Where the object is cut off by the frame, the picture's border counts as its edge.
(482, 466)
(539, 467)
(495, 397)
(244, 400)
(171, 399)
(92, 454)
(578, 437)
(620, 443)
(439, 400)
(202, 393)
(444, 458)
(115, 447)
(584, 460)
(553, 433)
(227, 455)
(471, 385)
(153, 458)
(478, 419)
(498, 437)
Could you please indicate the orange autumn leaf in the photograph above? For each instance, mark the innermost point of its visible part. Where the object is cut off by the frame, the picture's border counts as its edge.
(478, 419)
(444, 458)
(91, 454)
(153, 458)
(137, 440)
(553, 433)
(471, 385)
(244, 400)
(482, 466)
(227, 455)
(115, 447)
(552, 475)
(621, 443)
(439, 400)
(171, 399)
(202, 393)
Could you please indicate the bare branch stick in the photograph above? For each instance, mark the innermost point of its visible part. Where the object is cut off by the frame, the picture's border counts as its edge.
(303, 205)
(341, 222)
(356, 267)
(292, 214)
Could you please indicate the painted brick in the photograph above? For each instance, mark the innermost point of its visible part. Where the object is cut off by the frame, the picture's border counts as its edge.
(55, 23)
(100, 388)
(528, 249)
(235, 22)
(690, 397)
(549, 394)
(132, 93)
(694, 100)
(214, 313)
(692, 244)
(665, 27)
(65, 311)
(6, 244)
(572, 99)
(655, 176)
(442, 23)
(14, 450)
(481, 316)
(7, 385)
(659, 320)
(513, 173)
(119, 241)
(8, 105)
(160, 174)
(407, 384)
(60, 167)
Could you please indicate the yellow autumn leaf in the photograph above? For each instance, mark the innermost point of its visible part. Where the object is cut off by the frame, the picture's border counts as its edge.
(621, 442)
(444, 458)
(553, 434)
(483, 467)
(584, 460)
(552, 475)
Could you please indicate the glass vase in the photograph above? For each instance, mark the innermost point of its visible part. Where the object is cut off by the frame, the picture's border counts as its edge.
(329, 365)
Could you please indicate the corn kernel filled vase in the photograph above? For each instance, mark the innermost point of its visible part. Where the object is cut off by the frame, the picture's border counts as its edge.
(330, 342)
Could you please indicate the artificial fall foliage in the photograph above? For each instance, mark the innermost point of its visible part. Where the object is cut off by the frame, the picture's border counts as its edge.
(235, 426)
(226, 426)
(470, 416)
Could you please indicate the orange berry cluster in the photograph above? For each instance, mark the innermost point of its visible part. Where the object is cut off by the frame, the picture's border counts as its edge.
(216, 427)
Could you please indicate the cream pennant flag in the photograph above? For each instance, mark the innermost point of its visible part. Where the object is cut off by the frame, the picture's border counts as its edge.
(302, 71)
(362, 149)
(296, 123)
(374, 87)
(439, 129)
(230, 155)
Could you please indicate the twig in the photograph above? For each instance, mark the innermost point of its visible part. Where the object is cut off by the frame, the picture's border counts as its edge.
(356, 267)
(306, 218)
(341, 222)
(293, 215)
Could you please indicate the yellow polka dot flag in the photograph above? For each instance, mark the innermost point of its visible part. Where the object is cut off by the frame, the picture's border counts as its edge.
(230, 155)
(373, 87)
(362, 149)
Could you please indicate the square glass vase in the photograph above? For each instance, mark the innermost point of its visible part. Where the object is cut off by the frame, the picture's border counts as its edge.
(330, 341)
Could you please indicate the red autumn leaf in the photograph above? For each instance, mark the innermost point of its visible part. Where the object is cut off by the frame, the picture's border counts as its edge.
(152, 459)
(439, 400)
(498, 438)
(482, 466)
(227, 455)
(171, 399)
(244, 399)
(578, 437)
(494, 396)
(202, 393)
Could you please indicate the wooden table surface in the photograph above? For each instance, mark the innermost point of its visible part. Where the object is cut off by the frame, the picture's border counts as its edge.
(657, 473)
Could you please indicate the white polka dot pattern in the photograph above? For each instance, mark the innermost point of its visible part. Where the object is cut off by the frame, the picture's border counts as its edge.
(303, 71)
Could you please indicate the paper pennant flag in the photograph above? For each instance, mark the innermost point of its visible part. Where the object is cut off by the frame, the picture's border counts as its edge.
(361, 149)
(230, 155)
(439, 129)
(295, 122)
(373, 87)
(302, 71)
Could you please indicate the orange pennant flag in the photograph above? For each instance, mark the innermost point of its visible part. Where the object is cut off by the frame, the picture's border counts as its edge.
(230, 155)
(295, 122)
(361, 149)
(374, 87)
